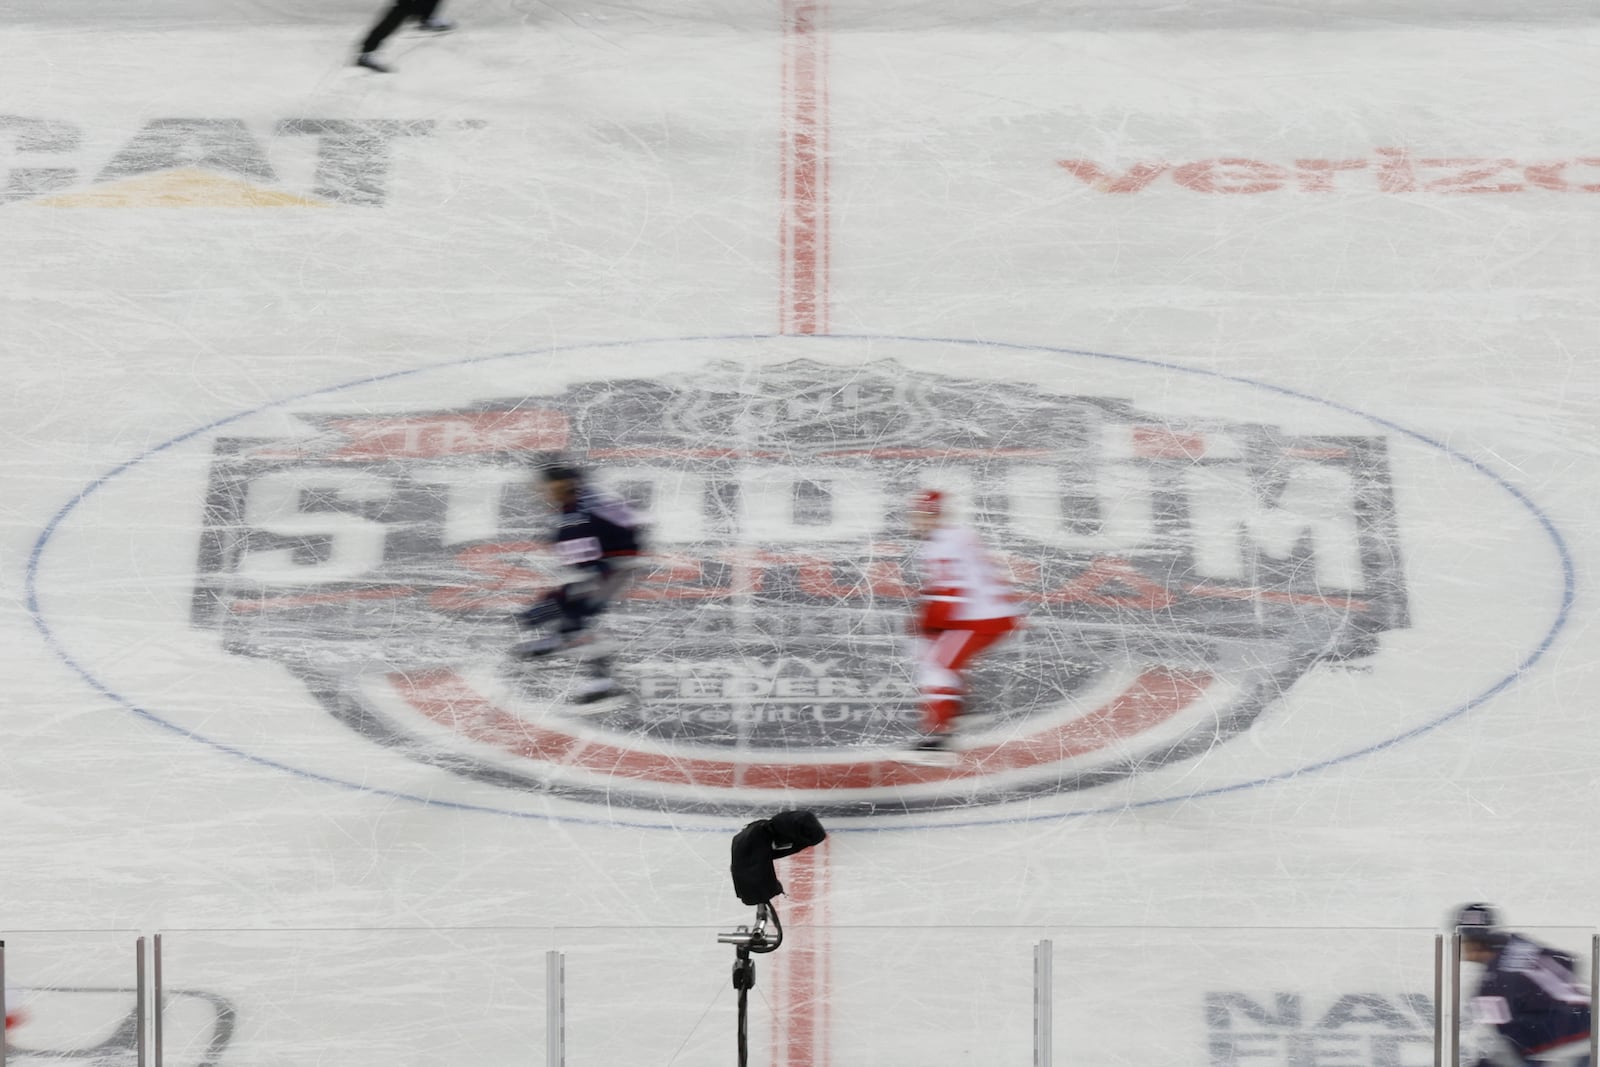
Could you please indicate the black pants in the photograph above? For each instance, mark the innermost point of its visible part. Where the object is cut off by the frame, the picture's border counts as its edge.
(574, 607)
(421, 10)
(576, 604)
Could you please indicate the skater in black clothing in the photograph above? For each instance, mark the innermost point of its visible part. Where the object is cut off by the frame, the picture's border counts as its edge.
(424, 11)
(1530, 1010)
(598, 539)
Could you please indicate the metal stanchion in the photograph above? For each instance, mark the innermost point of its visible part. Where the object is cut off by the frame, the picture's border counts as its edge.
(1438, 1000)
(139, 999)
(1594, 998)
(746, 940)
(156, 1001)
(555, 1009)
(1043, 1000)
(3, 1008)
(1455, 999)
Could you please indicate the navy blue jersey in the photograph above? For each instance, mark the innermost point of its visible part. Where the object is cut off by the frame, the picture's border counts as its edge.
(596, 531)
(1531, 996)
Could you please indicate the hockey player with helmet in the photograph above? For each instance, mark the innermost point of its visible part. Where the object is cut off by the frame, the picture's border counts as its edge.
(1529, 1007)
(598, 538)
(965, 605)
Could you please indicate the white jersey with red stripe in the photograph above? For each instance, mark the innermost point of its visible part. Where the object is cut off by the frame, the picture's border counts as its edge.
(961, 583)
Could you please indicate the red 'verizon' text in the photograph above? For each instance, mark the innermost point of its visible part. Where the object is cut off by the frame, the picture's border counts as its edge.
(1390, 170)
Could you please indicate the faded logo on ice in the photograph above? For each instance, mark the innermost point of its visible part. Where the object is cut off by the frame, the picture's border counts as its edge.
(1182, 573)
(99, 1026)
(210, 162)
(1383, 1029)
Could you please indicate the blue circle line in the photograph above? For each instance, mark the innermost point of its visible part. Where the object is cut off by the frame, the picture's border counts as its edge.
(1568, 596)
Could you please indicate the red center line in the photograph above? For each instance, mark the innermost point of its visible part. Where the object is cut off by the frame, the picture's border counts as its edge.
(803, 239)
(801, 982)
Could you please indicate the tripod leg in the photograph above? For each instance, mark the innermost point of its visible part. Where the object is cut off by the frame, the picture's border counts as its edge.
(744, 978)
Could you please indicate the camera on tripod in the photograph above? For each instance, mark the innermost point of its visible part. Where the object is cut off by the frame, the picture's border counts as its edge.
(756, 882)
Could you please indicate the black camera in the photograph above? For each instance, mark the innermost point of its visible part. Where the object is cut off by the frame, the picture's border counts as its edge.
(760, 842)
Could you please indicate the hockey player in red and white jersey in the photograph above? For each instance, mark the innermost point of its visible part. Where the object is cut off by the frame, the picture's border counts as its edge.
(965, 605)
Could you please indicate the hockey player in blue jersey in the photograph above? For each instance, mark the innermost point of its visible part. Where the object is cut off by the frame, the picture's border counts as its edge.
(598, 538)
(1529, 1007)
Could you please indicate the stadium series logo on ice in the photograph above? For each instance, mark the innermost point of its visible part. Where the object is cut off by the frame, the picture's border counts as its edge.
(1181, 572)
(1203, 558)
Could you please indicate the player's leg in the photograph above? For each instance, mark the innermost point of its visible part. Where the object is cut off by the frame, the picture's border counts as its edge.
(575, 609)
(600, 682)
(941, 687)
(568, 608)
(939, 679)
(386, 24)
(942, 672)
(428, 18)
(542, 612)
(940, 676)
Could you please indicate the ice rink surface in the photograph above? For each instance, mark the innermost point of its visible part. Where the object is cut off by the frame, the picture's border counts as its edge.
(1258, 338)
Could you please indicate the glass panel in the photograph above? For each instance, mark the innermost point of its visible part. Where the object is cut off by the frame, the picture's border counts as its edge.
(350, 997)
(829, 995)
(652, 996)
(933, 995)
(1257, 997)
(77, 990)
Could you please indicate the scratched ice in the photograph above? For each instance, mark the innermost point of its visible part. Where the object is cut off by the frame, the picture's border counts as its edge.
(1255, 339)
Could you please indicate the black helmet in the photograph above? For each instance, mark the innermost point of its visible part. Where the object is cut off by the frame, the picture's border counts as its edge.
(1478, 922)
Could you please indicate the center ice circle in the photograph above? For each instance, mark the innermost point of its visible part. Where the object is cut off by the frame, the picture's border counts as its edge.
(1194, 575)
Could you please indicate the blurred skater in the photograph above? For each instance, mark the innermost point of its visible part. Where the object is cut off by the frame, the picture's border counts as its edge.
(424, 11)
(598, 538)
(1529, 1007)
(965, 605)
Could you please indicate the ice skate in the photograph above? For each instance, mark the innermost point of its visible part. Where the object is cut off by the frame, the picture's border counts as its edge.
(437, 25)
(590, 694)
(549, 645)
(371, 61)
(932, 750)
